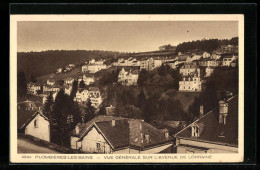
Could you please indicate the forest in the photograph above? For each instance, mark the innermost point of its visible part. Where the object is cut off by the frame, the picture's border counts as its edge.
(205, 45)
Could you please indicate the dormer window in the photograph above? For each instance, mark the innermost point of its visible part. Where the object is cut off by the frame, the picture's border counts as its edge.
(195, 131)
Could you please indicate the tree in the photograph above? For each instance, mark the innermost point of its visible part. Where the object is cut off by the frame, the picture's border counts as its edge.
(141, 100)
(60, 82)
(89, 111)
(66, 115)
(82, 84)
(74, 89)
(143, 77)
(21, 84)
(47, 109)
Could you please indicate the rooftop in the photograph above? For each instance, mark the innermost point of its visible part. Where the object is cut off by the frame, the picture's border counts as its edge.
(210, 128)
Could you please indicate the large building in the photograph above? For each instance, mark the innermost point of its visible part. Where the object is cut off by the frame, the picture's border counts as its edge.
(151, 63)
(94, 66)
(189, 69)
(214, 132)
(120, 136)
(190, 83)
(128, 78)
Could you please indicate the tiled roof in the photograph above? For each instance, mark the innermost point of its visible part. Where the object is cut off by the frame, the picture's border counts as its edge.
(129, 132)
(212, 131)
(24, 117)
(84, 127)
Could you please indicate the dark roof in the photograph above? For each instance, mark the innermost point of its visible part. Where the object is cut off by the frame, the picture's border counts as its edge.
(84, 127)
(130, 133)
(211, 130)
(24, 117)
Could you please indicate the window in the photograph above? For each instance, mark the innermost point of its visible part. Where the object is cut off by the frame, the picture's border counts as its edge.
(98, 147)
(35, 123)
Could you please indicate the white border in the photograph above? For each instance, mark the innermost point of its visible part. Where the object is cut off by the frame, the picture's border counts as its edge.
(99, 158)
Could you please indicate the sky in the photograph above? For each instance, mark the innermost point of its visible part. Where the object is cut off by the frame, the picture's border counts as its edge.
(123, 36)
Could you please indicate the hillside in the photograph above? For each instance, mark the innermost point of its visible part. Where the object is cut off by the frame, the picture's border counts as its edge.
(46, 62)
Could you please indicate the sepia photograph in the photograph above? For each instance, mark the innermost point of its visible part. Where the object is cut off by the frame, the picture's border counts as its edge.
(126, 88)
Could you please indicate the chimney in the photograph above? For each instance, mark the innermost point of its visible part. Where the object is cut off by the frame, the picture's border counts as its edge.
(201, 110)
(113, 123)
(223, 111)
(77, 129)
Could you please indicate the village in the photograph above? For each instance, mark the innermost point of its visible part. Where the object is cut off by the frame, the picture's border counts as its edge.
(135, 105)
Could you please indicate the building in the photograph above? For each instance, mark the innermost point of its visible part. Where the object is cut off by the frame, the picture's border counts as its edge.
(68, 89)
(95, 97)
(167, 47)
(88, 79)
(209, 71)
(227, 59)
(59, 70)
(69, 81)
(50, 82)
(151, 63)
(94, 66)
(210, 62)
(33, 88)
(128, 78)
(34, 124)
(82, 95)
(189, 69)
(205, 55)
(122, 136)
(46, 94)
(29, 105)
(190, 83)
(214, 132)
(51, 88)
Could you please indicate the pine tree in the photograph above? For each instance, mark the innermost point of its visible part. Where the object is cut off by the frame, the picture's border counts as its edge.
(89, 111)
(141, 100)
(47, 109)
(21, 84)
(74, 89)
(82, 84)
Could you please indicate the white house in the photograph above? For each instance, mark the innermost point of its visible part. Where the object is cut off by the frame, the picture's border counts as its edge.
(189, 69)
(211, 133)
(128, 78)
(82, 95)
(190, 83)
(36, 125)
(50, 82)
(95, 96)
(206, 55)
(122, 136)
(68, 89)
(69, 81)
(59, 70)
(209, 71)
(227, 59)
(89, 79)
(32, 88)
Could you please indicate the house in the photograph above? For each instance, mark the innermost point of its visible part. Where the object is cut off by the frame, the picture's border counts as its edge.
(205, 55)
(129, 62)
(214, 132)
(32, 88)
(210, 62)
(88, 79)
(124, 136)
(46, 94)
(33, 124)
(82, 95)
(190, 83)
(29, 105)
(82, 128)
(167, 47)
(151, 63)
(189, 69)
(51, 88)
(68, 89)
(59, 70)
(95, 97)
(69, 81)
(50, 82)
(227, 59)
(93, 68)
(209, 71)
(128, 78)
(188, 59)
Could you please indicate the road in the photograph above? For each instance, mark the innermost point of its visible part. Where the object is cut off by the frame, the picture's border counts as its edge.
(25, 146)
